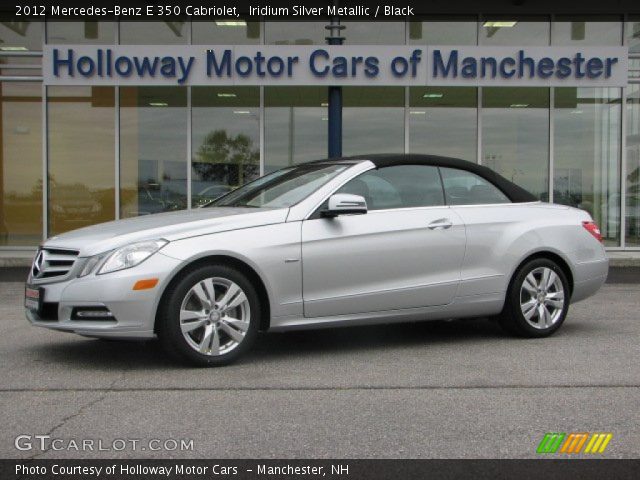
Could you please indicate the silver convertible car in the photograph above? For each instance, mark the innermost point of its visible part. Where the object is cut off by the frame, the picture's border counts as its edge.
(358, 240)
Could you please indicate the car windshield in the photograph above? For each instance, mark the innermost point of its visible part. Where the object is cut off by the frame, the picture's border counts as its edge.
(283, 188)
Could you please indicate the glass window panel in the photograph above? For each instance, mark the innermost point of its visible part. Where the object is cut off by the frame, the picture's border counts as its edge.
(511, 31)
(15, 66)
(20, 164)
(632, 32)
(444, 121)
(634, 68)
(153, 148)
(368, 33)
(225, 140)
(372, 120)
(444, 31)
(632, 40)
(225, 33)
(295, 124)
(587, 154)
(23, 35)
(515, 136)
(632, 175)
(587, 31)
(354, 33)
(81, 136)
(61, 32)
(466, 188)
(295, 33)
(154, 33)
(402, 186)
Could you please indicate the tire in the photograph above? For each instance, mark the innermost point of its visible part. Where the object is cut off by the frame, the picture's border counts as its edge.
(537, 300)
(215, 334)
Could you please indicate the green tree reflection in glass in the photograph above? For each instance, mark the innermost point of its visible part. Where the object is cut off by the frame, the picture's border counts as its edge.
(226, 162)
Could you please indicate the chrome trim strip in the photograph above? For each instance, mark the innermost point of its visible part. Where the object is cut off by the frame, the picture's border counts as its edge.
(509, 204)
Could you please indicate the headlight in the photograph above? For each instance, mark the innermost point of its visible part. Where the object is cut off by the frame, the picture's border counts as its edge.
(131, 255)
(90, 265)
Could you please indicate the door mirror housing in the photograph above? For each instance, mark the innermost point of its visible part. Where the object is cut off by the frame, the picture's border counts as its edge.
(345, 204)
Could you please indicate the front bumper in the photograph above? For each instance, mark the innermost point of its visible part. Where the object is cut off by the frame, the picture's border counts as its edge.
(133, 310)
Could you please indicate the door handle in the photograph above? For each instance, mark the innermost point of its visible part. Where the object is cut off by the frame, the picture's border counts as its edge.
(440, 224)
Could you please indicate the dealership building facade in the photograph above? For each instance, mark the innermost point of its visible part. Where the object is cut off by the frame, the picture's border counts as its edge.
(85, 142)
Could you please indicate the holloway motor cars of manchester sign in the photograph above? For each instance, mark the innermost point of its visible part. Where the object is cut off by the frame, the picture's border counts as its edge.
(334, 65)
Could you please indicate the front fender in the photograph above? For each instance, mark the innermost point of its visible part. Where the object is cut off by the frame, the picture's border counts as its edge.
(275, 257)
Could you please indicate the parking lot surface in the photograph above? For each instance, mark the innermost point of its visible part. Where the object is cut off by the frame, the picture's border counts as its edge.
(422, 390)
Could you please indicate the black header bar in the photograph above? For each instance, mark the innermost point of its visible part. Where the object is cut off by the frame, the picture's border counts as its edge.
(376, 10)
(244, 469)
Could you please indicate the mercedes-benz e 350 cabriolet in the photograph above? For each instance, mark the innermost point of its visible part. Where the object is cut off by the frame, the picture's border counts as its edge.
(358, 240)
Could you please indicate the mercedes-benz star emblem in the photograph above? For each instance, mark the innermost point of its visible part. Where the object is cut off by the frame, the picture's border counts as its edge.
(37, 264)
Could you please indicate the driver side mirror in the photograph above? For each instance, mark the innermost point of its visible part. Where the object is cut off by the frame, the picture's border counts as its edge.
(345, 204)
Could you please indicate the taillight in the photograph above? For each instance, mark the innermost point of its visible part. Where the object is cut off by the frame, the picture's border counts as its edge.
(593, 229)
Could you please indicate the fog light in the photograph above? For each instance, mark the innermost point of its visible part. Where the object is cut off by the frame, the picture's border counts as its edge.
(91, 313)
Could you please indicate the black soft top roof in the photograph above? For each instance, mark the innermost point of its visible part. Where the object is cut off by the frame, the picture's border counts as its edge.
(514, 192)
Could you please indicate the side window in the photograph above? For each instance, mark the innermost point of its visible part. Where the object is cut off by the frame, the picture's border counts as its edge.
(466, 188)
(402, 186)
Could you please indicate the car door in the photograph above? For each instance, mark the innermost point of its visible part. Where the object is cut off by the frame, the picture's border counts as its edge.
(405, 252)
(488, 215)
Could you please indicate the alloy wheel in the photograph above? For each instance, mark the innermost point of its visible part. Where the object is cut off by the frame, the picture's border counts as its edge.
(542, 298)
(215, 316)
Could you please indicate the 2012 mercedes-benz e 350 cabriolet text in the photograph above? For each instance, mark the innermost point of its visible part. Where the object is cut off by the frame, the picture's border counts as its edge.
(368, 239)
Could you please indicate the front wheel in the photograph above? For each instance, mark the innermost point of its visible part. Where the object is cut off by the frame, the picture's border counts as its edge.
(210, 316)
(537, 301)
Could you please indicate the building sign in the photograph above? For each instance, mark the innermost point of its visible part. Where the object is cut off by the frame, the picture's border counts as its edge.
(365, 65)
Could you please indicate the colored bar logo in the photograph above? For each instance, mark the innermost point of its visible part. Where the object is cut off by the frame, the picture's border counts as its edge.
(573, 443)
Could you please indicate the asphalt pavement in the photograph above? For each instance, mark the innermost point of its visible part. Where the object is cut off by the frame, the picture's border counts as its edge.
(424, 390)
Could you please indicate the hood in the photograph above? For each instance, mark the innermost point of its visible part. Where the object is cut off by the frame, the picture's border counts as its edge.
(171, 226)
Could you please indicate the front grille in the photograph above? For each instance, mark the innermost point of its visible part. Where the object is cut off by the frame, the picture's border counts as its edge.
(53, 262)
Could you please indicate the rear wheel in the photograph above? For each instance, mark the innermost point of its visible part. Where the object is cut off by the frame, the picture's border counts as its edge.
(537, 301)
(210, 317)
